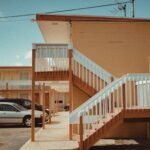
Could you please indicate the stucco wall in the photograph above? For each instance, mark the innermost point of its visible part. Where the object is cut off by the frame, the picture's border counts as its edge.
(119, 47)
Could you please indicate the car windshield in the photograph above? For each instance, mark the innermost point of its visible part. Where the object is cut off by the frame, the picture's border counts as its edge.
(20, 108)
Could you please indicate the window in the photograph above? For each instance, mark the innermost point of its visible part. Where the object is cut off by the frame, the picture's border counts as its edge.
(59, 101)
(27, 103)
(24, 76)
(4, 107)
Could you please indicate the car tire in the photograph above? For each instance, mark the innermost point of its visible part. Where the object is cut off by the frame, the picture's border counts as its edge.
(27, 121)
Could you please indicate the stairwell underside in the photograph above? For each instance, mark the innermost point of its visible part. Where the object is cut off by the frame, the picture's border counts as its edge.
(136, 115)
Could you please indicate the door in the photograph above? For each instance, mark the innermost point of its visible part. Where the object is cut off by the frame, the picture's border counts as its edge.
(9, 114)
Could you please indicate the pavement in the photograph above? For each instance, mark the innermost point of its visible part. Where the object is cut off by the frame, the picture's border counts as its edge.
(55, 136)
(13, 136)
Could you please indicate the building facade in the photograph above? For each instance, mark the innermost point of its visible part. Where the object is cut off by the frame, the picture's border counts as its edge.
(119, 45)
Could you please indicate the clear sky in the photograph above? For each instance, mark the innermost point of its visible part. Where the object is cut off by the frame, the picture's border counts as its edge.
(16, 37)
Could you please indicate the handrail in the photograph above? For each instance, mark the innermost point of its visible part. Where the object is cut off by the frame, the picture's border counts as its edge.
(93, 101)
(51, 57)
(92, 66)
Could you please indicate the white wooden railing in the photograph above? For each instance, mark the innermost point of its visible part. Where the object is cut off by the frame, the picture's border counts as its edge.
(132, 91)
(89, 72)
(51, 57)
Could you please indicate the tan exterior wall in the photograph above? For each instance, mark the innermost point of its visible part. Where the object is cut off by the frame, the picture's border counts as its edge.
(119, 47)
(127, 130)
(15, 73)
(79, 97)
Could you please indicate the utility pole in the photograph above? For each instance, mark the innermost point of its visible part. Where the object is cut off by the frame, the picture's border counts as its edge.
(125, 10)
(133, 8)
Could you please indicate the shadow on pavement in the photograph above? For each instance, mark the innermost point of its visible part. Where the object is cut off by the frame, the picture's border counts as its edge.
(16, 126)
(142, 144)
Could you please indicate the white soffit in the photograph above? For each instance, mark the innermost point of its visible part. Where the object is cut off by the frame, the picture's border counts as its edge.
(55, 31)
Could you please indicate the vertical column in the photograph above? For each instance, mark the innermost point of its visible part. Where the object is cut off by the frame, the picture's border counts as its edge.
(43, 98)
(123, 96)
(70, 89)
(111, 99)
(33, 97)
(81, 133)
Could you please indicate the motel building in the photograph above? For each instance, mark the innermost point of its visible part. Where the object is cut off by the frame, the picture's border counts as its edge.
(16, 83)
(103, 63)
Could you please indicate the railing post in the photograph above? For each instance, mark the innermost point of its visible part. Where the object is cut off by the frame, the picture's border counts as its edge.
(112, 100)
(81, 133)
(123, 96)
(70, 90)
(33, 97)
(43, 98)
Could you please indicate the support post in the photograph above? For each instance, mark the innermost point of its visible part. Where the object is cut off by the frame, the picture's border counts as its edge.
(133, 15)
(70, 90)
(81, 133)
(112, 100)
(33, 97)
(43, 98)
(124, 96)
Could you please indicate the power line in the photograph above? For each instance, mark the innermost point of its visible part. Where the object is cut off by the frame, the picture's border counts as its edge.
(65, 10)
(15, 20)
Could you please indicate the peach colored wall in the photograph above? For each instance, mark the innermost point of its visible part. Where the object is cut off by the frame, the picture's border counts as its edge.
(13, 74)
(119, 47)
(127, 130)
(79, 97)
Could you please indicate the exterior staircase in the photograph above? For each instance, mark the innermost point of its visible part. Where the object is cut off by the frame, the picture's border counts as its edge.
(123, 99)
(112, 100)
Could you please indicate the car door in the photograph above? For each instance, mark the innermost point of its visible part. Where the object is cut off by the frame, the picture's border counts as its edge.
(10, 114)
(1, 114)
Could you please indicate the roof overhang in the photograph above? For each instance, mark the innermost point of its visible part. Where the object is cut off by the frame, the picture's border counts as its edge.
(56, 28)
(47, 17)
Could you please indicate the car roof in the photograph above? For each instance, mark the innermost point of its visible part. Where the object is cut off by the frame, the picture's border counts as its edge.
(9, 103)
(11, 99)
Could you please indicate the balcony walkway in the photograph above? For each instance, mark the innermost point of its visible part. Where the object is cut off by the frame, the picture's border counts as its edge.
(54, 136)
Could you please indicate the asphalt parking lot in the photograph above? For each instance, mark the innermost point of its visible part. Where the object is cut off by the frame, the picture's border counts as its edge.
(12, 137)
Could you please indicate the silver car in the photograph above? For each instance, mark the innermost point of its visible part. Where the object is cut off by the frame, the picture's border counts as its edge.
(16, 114)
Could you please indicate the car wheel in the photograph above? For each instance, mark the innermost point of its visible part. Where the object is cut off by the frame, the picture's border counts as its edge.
(27, 121)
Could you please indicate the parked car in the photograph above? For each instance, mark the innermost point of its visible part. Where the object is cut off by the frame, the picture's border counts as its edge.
(16, 114)
(26, 103)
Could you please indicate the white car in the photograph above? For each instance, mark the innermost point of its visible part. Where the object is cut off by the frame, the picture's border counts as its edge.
(16, 114)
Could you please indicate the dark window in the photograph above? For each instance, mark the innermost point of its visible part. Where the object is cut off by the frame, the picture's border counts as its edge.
(60, 101)
(5, 107)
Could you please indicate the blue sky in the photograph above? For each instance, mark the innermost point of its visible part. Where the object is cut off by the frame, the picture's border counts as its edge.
(16, 37)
